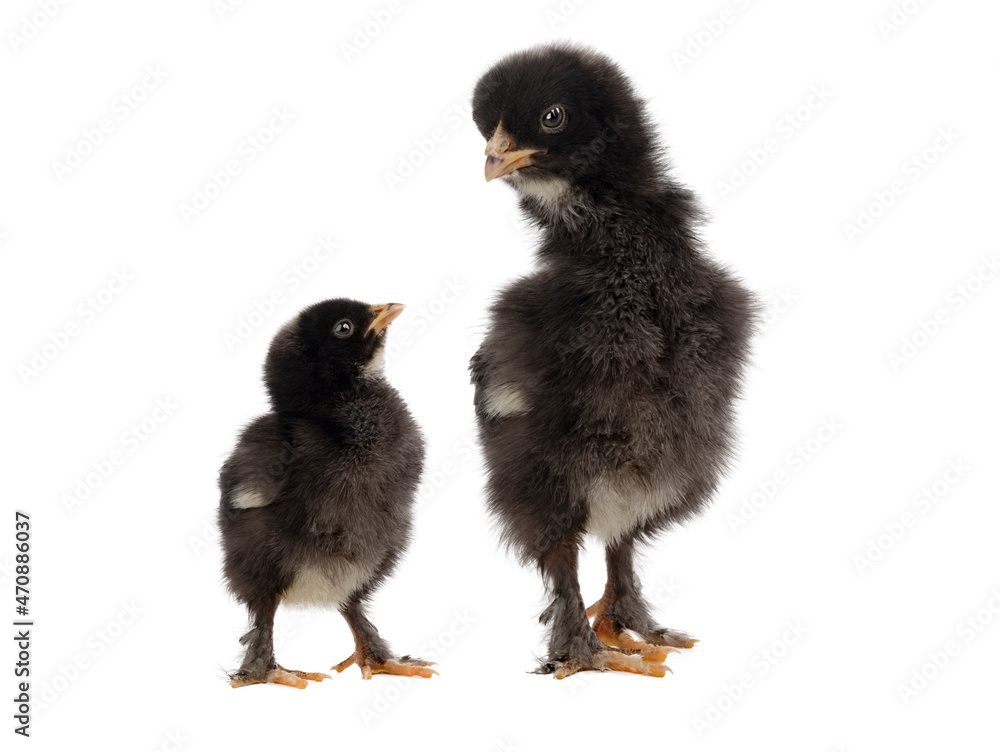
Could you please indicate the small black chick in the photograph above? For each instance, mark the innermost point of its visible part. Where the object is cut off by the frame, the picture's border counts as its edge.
(605, 386)
(317, 496)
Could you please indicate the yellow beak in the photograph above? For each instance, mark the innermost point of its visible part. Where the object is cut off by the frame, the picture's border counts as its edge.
(385, 314)
(501, 156)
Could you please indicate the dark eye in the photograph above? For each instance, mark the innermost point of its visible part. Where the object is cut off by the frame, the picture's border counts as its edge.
(343, 328)
(555, 118)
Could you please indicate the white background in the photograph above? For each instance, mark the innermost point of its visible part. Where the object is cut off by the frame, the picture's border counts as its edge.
(144, 538)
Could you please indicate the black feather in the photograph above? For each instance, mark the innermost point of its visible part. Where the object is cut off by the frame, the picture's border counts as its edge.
(324, 484)
(605, 386)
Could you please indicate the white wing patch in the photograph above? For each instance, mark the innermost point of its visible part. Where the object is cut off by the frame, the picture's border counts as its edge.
(504, 400)
(248, 499)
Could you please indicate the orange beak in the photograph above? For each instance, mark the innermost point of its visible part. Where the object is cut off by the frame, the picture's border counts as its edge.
(385, 314)
(501, 156)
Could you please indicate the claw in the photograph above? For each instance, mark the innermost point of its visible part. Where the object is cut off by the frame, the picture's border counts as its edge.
(405, 666)
(278, 675)
(612, 637)
(346, 663)
(656, 643)
(308, 676)
(611, 660)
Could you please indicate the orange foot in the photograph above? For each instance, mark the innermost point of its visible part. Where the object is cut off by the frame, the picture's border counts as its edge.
(405, 666)
(654, 644)
(278, 675)
(607, 659)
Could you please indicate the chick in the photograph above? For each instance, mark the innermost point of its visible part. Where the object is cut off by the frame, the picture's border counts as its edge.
(605, 386)
(317, 496)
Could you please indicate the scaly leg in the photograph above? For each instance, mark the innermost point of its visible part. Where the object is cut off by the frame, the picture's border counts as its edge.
(372, 653)
(622, 610)
(573, 645)
(259, 666)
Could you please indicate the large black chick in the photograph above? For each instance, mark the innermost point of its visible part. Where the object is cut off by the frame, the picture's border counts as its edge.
(605, 386)
(317, 496)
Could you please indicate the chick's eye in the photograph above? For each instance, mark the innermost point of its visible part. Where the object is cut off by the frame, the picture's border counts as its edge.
(554, 118)
(343, 328)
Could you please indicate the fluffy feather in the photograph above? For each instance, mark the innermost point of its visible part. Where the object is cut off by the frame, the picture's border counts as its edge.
(317, 496)
(626, 345)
